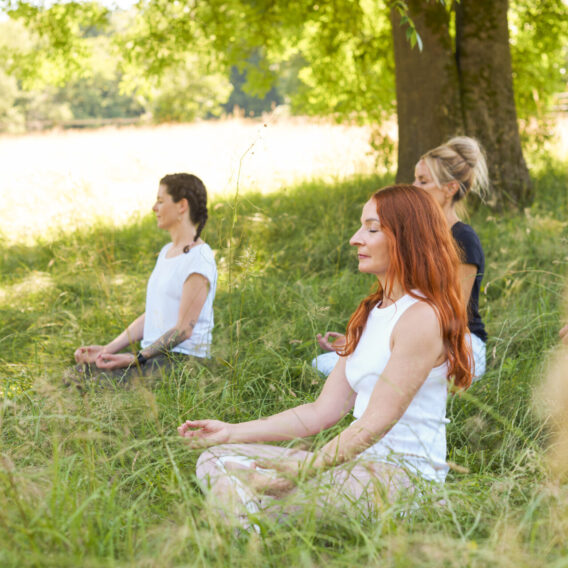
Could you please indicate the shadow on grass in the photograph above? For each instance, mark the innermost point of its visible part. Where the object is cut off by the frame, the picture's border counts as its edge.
(103, 477)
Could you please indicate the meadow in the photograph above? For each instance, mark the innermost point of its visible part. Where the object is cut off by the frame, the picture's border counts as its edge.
(59, 181)
(103, 480)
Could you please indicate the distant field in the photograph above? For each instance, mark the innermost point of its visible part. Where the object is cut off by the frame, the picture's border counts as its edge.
(66, 179)
(61, 180)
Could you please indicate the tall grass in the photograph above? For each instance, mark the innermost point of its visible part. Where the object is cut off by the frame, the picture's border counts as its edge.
(102, 479)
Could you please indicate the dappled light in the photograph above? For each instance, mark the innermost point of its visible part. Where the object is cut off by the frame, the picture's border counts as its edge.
(292, 114)
(112, 460)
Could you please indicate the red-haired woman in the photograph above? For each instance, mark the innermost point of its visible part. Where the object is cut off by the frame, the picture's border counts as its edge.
(404, 345)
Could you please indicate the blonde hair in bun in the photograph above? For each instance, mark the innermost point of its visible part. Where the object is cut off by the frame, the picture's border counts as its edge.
(460, 159)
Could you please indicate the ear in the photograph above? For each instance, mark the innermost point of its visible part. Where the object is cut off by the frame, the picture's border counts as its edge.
(452, 187)
(183, 205)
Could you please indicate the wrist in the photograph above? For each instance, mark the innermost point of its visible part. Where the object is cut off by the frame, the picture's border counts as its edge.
(109, 348)
(327, 457)
(237, 434)
(140, 358)
(318, 464)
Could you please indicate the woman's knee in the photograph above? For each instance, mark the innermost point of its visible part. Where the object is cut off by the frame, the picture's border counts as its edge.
(209, 462)
(479, 357)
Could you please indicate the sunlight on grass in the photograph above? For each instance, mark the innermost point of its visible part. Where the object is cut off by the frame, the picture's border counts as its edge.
(102, 478)
(60, 181)
(35, 283)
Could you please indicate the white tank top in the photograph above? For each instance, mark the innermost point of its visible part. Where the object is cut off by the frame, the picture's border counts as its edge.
(418, 440)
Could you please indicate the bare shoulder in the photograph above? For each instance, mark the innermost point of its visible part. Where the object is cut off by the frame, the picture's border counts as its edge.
(420, 321)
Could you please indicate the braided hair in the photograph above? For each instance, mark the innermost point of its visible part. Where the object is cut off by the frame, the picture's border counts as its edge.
(190, 187)
(460, 159)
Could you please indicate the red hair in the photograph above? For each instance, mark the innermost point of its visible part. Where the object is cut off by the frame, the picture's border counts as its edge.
(424, 258)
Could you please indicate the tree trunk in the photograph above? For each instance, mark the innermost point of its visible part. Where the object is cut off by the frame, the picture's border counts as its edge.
(427, 93)
(488, 104)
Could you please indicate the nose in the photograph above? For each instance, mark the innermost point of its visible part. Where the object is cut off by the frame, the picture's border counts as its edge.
(155, 207)
(355, 240)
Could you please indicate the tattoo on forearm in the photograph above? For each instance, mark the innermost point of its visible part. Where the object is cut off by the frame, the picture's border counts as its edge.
(168, 341)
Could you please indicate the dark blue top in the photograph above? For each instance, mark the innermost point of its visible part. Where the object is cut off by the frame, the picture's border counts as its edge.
(470, 245)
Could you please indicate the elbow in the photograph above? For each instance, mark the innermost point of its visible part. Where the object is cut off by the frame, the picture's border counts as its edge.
(325, 418)
(182, 332)
(186, 330)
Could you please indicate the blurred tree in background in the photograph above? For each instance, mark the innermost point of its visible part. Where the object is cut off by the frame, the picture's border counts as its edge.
(482, 64)
(241, 98)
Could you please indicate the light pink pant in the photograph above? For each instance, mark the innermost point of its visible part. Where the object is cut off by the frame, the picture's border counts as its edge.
(362, 485)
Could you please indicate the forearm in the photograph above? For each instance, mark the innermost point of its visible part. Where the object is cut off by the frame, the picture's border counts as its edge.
(168, 341)
(347, 445)
(298, 422)
(194, 295)
(333, 403)
(130, 335)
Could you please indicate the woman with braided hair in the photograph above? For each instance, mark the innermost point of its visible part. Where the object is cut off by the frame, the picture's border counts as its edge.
(448, 173)
(178, 319)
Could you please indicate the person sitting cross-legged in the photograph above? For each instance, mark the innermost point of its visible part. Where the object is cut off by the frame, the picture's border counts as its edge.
(178, 320)
(405, 346)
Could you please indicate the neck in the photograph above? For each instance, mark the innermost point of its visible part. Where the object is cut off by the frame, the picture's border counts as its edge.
(394, 294)
(182, 234)
(450, 214)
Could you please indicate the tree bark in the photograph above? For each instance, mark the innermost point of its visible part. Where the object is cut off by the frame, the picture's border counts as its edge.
(486, 88)
(427, 88)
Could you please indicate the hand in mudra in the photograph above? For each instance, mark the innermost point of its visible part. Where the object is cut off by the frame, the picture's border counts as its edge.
(327, 343)
(205, 433)
(88, 353)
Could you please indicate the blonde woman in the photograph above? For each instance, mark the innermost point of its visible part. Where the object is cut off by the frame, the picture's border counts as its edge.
(448, 173)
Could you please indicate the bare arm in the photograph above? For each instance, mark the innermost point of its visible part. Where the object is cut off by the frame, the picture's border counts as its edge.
(193, 297)
(467, 274)
(417, 348)
(132, 334)
(335, 400)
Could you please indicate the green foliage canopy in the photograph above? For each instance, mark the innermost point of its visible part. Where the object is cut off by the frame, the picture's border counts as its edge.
(344, 48)
(59, 52)
(336, 55)
(539, 48)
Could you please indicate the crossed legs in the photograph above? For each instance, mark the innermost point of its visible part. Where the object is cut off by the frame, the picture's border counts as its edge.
(360, 485)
